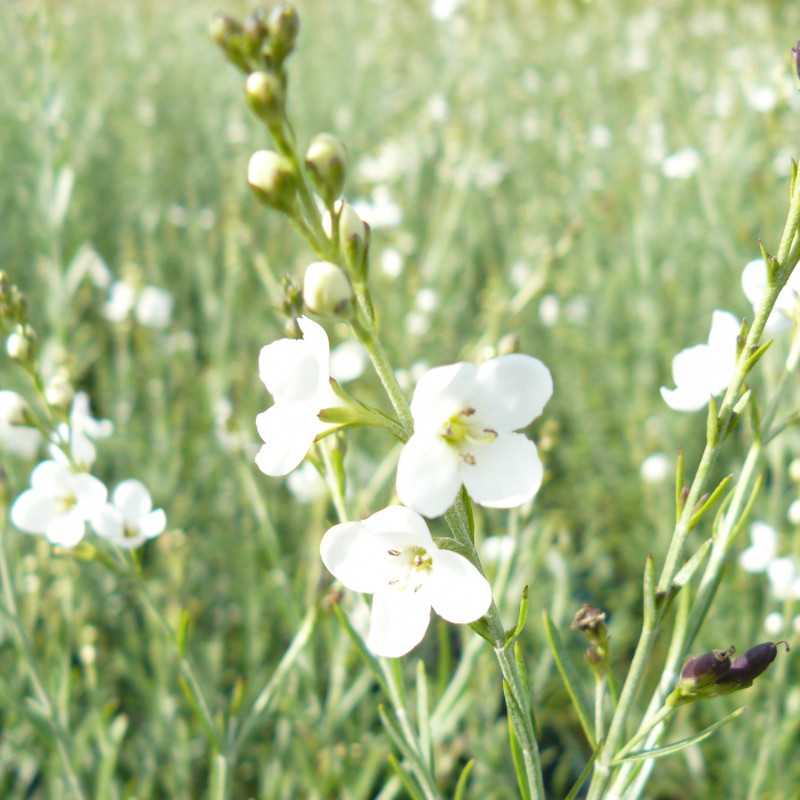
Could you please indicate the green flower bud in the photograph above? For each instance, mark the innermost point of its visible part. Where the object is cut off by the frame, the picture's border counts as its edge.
(273, 178)
(283, 25)
(326, 289)
(255, 31)
(265, 96)
(353, 238)
(228, 34)
(326, 161)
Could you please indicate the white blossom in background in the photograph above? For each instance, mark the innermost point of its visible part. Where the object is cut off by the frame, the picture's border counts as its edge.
(600, 137)
(762, 98)
(656, 468)
(754, 286)
(15, 436)
(497, 549)
(296, 373)
(465, 418)
(794, 512)
(229, 434)
(59, 503)
(348, 361)
(427, 300)
(549, 310)
(391, 262)
(306, 484)
(773, 624)
(87, 263)
(392, 556)
(129, 520)
(417, 323)
(121, 300)
(762, 550)
(151, 306)
(442, 10)
(76, 438)
(705, 370)
(380, 211)
(681, 164)
(784, 578)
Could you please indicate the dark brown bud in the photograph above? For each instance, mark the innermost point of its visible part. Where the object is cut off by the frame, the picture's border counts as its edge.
(746, 668)
(589, 619)
(705, 669)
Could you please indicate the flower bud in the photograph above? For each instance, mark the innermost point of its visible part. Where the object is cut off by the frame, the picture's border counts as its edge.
(265, 96)
(326, 289)
(272, 177)
(59, 391)
(227, 33)
(746, 668)
(283, 25)
(700, 671)
(255, 31)
(20, 344)
(325, 159)
(353, 238)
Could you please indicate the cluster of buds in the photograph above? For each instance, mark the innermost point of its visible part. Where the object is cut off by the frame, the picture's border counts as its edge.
(591, 622)
(262, 41)
(21, 340)
(714, 673)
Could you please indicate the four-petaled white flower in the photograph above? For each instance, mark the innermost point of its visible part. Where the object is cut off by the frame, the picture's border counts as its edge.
(151, 305)
(705, 370)
(77, 436)
(464, 422)
(784, 578)
(763, 549)
(59, 503)
(296, 373)
(15, 436)
(129, 520)
(755, 286)
(392, 556)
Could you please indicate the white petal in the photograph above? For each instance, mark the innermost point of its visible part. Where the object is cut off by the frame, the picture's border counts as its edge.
(288, 433)
(754, 281)
(19, 440)
(691, 366)
(32, 511)
(427, 475)
(349, 555)
(506, 473)
(513, 391)
(50, 477)
(153, 524)
(290, 371)
(108, 522)
(398, 622)
(133, 500)
(765, 538)
(442, 392)
(154, 307)
(90, 492)
(722, 350)
(317, 340)
(457, 590)
(781, 573)
(399, 519)
(685, 398)
(67, 529)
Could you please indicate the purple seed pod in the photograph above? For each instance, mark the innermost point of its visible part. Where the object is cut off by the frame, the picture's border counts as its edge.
(746, 668)
(796, 53)
(705, 669)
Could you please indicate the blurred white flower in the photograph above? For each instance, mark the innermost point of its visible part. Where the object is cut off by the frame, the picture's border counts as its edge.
(87, 263)
(464, 422)
(496, 549)
(784, 579)
(391, 262)
(417, 323)
(681, 164)
(392, 556)
(15, 436)
(762, 98)
(600, 137)
(794, 512)
(549, 310)
(520, 274)
(773, 624)
(296, 373)
(121, 300)
(761, 552)
(59, 503)
(129, 520)
(391, 161)
(427, 300)
(444, 9)
(437, 108)
(754, 286)
(154, 307)
(348, 361)
(704, 370)
(76, 437)
(380, 211)
(655, 468)
(306, 484)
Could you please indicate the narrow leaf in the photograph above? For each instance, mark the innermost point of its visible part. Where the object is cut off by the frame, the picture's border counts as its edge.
(516, 752)
(676, 747)
(404, 778)
(568, 676)
(355, 637)
(585, 773)
(679, 479)
(710, 502)
(712, 423)
(423, 715)
(463, 779)
(522, 618)
(685, 573)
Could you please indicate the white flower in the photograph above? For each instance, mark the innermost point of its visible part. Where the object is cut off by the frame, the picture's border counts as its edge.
(549, 310)
(391, 262)
(76, 437)
(16, 437)
(348, 361)
(129, 520)
(761, 552)
(392, 556)
(704, 370)
(794, 512)
(154, 307)
(497, 549)
(783, 578)
(381, 211)
(655, 468)
(59, 503)
(754, 286)
(762, 98)
(296, 373)
(121, 301)
(464, 422)
(444, 9)
(427, 300)
(306, 484)
(773, 624)
(681, 165)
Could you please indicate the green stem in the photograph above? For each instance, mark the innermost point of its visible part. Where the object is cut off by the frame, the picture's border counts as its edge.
(599, 697)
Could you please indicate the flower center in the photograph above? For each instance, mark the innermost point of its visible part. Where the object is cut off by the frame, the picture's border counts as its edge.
(413, 566)
(66, 502)
(462, 432)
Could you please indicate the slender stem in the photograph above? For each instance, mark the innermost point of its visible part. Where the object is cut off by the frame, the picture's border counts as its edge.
(599, 697)
(47, 705)
(658, 718)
